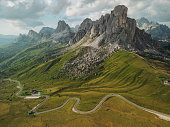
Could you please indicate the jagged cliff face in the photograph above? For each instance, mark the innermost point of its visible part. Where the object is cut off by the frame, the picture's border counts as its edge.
(83, 29)
(99, 39)
(33, 35)
(62, 34)
(46, 32)
(62, 26)
(115, 29)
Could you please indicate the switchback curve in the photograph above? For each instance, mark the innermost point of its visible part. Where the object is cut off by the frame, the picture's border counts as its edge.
(74, 109)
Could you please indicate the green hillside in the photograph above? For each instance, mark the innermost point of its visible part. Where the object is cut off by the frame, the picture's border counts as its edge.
(30, 58)
(101, 73)
(130, 75)
(124, 72)
(12, 49)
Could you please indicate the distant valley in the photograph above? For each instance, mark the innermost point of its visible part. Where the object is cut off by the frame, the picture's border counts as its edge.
(7, 39)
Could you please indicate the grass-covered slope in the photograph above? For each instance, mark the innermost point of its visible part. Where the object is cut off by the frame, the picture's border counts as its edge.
(46, 74)
(113, 112)
(124, 73)
(29, 58)
(130, 75)
(12, 49)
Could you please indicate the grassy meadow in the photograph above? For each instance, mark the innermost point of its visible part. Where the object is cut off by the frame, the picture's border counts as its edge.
(124, 73)
(114, 112)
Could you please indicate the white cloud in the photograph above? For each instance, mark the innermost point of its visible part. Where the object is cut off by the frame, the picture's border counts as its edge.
(59, 6)
(154, 10)
(85, 7)
(10, 4)
(8, 28)
(28, 14)
(48, 2)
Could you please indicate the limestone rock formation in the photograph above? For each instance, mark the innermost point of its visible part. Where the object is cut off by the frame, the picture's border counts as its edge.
(62, 26)
(46, 32)
(47, 29)
(34, 35)
(62, 34)
(99, 39)
(117, 28)
(84, 28)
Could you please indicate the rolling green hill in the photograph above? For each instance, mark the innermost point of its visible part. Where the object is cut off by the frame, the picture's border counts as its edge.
(30, 58)
(124, 73)
(11, 50)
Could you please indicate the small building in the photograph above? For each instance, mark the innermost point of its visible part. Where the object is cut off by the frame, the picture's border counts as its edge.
(35, 92)
(167, 82)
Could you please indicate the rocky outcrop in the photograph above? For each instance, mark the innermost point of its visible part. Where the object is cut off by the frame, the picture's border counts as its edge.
(47, 29)
(33, 35)
(86, 25)
(46, 32)
(62, 26)
(83, 29)
(78, 36)
(117, 29)
(62, 34)
(101, 38)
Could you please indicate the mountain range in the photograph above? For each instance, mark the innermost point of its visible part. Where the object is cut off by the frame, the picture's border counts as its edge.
(109, 55)
(157, 31)
(95, 40)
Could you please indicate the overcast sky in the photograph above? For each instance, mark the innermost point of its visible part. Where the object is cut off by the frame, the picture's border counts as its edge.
(19, 16)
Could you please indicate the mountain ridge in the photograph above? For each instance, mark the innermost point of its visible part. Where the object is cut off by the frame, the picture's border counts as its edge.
(94, 41)
(157, 31)
(101, 38)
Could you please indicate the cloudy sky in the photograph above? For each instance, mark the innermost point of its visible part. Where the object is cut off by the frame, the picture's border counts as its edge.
(19, 16)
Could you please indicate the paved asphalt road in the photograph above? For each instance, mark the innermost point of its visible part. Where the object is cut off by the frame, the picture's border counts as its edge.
(74, 109)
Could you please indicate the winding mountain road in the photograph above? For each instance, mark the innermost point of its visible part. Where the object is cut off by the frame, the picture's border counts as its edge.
(74, 109)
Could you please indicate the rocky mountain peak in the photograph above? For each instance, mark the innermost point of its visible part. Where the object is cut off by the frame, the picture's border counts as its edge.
(142, 20)
(86, 24)
(99, 39)
(62, 34)
(62, 26)
(120, 10)
(157, 31)
(83, 29)
(47, 29)
(46, 32)
(114, 29)
(33, 34)
(111, 24)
